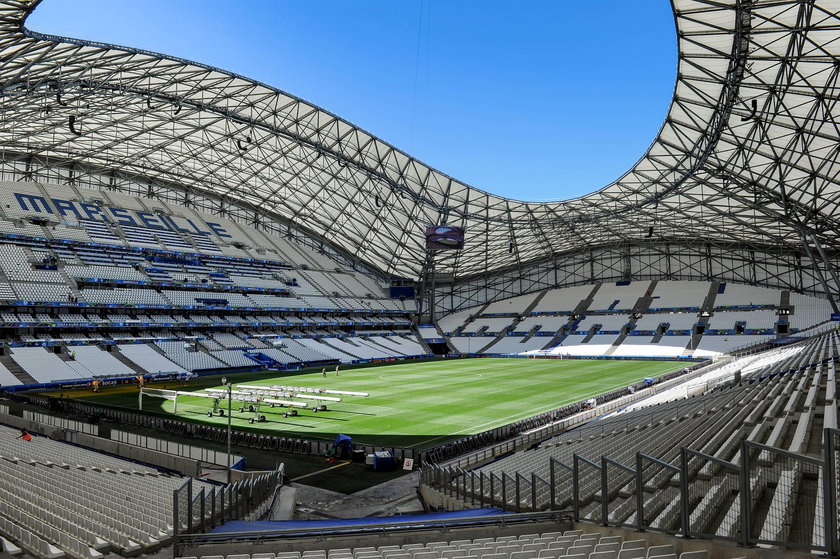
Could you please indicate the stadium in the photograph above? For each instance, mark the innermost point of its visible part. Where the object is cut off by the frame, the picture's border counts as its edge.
(237, 326)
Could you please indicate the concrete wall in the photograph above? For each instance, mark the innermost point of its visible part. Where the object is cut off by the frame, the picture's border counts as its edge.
(186, 466)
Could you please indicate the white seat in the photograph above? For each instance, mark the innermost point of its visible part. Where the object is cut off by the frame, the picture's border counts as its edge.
(580, 549)
(657, 550)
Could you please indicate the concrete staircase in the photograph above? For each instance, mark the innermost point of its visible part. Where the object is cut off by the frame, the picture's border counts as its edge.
(591, 333)
(512, 327)
(703, 321)
(339, 350)
(71, 283)
(16, 370)
(383, 347)
(531, 333)
(656, 338)
(642, 305)
(477, 313)
(118, 355)
(579, 310)
(530, 308)
(561, 335)
(422, 342)
(583, 306)
(509, 328)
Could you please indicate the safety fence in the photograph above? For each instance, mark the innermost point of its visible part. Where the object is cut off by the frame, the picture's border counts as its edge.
(765, 496)
(197, 509)
(483, 446)
(526, 431)
(194, 430)
(206, 455)
(372, 530)
(61, 422)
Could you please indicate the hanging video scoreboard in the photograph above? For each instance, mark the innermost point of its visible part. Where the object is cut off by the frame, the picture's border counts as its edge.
(444, 237)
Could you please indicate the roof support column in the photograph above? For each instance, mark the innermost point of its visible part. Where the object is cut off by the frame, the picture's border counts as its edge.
(818, 271)
(827, 262)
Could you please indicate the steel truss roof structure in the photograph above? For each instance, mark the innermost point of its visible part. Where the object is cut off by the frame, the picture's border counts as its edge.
(748, 151)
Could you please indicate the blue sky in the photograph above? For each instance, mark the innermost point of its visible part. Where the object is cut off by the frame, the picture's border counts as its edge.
(534, 100)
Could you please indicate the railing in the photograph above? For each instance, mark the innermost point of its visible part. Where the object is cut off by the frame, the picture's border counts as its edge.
(195, 430)
(205, 455)
(205, 544)
(60, 422)
(767, 496)
(478, 448)
(198, 511)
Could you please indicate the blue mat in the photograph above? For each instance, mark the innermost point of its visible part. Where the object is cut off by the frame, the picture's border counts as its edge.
(266, 525)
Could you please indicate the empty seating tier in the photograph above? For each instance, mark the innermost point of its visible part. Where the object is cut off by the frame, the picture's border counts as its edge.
(667, 319)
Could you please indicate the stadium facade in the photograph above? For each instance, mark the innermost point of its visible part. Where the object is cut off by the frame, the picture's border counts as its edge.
(740, 184)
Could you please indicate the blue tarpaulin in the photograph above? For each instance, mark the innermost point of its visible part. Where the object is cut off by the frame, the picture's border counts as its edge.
(243, 526)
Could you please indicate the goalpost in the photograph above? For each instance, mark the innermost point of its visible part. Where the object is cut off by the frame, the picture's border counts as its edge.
(159, 393)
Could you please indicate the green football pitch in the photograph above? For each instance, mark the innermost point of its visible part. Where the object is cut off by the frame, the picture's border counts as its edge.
(411, 404)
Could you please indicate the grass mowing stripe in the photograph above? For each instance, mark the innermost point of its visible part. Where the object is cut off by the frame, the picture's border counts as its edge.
(416, 404)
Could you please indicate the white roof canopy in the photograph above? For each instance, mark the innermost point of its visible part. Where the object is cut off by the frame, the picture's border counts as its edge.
(748, 151)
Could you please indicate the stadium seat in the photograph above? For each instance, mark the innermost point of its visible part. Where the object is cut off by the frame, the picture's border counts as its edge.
(658, 550)
(580, 550)
(553, 553)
